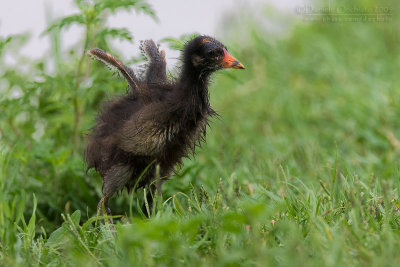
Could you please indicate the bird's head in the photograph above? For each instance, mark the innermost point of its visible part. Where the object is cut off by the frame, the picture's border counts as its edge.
(206, 55)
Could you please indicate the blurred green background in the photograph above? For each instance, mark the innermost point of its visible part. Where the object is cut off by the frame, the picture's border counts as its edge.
(301, 169)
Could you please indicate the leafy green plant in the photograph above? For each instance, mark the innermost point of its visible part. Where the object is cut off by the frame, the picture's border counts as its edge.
(46, 112)
(92, 17)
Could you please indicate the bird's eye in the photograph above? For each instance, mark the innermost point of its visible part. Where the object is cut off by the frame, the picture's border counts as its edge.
(210, 53)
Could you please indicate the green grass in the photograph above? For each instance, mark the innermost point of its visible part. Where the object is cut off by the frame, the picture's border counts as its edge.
(301, 169)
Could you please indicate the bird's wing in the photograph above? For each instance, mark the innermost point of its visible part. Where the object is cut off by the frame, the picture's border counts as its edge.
(156, 72)
(115, 63)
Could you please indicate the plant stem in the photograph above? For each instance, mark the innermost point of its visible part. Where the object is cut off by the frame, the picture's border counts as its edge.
(75, 102)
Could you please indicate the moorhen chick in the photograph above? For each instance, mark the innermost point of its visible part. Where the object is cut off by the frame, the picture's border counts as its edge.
(158, 122)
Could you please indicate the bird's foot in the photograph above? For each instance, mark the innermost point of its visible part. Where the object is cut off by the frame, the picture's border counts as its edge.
(104, 210)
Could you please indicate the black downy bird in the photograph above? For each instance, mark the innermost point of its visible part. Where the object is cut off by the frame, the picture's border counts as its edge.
(158, 122)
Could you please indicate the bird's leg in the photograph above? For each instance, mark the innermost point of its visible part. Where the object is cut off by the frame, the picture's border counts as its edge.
(103, 209)
(113, 181)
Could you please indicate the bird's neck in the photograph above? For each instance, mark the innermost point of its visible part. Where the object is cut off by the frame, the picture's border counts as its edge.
(194, 86)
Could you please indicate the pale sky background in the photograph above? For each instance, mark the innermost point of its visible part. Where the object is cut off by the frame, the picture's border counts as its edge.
(176, 17)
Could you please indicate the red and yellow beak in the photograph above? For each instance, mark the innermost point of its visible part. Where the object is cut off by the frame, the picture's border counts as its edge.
(230, 62)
